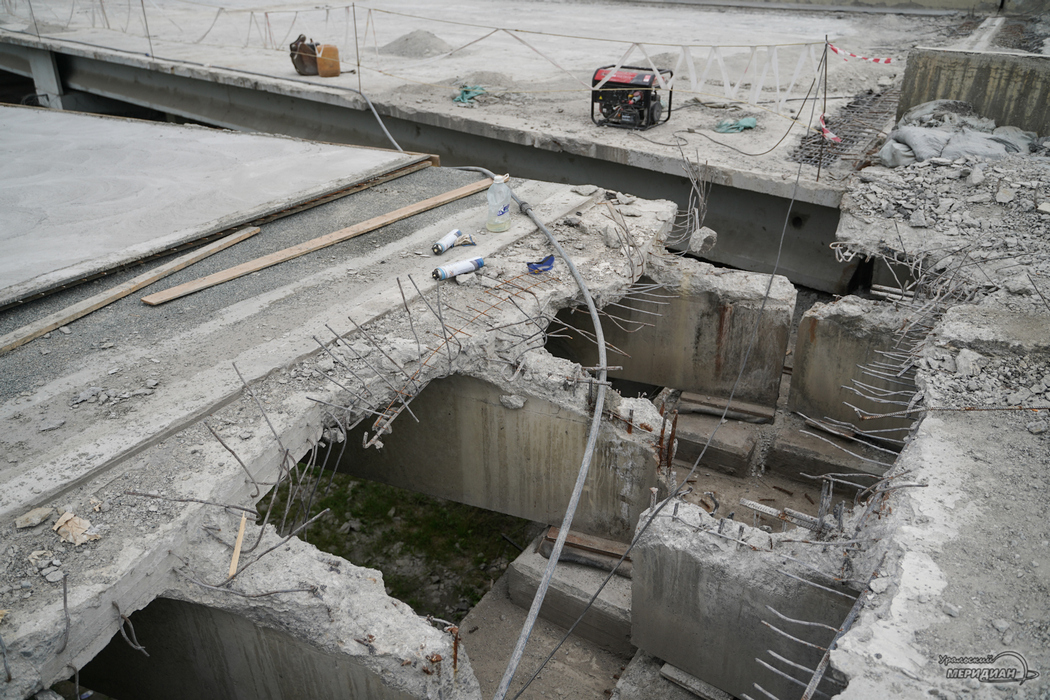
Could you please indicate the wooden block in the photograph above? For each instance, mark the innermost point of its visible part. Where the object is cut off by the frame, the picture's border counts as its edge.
(60, 318)
(296, 251)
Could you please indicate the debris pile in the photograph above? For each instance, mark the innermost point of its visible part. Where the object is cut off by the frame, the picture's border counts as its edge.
(951, 129)
(989, 221)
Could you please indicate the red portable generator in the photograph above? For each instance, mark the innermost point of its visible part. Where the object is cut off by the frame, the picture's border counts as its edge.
(629, 99)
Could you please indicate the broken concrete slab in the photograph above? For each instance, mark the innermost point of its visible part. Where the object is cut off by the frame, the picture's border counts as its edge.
(522, 462)
(116, 442)
(730, 450)
(299, 622)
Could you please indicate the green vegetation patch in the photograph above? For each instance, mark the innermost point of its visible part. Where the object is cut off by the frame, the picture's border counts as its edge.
(438, 556)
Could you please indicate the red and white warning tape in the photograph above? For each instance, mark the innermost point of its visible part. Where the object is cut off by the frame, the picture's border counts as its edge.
(825, 131)
(863, 58)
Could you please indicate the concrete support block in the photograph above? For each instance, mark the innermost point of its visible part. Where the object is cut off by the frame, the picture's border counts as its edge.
(516, 453)
(607, 623)
(699, 601)
(794, 452)
(1014, 90)
(834, 341)
(46, 77)
(731, 449)
(699, 339)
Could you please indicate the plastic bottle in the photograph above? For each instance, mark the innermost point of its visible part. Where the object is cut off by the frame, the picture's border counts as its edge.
(499, 204)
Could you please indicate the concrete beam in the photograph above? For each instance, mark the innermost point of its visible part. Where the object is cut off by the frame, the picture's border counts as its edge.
(699, 338)
(699, 601)
(516, 453)
(747, 208)
(1012, 89)
(606, 623)
(45, 74)
(834, 342)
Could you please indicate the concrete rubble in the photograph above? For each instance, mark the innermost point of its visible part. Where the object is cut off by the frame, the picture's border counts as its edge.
(869, 519)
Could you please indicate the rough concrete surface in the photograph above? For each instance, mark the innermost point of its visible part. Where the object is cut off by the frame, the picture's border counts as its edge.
(83, 194)
(690, 568)
(607, 623)
(580, 669)
(641, 679)
(963, 589)
(337, 635)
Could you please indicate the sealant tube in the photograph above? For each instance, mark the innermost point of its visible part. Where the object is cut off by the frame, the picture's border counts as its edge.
(453, 237)
(457, 268)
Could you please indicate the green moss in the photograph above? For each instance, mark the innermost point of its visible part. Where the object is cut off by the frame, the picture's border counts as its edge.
(438, 556)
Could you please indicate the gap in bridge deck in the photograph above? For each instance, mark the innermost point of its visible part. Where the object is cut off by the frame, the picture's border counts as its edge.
(438, 556)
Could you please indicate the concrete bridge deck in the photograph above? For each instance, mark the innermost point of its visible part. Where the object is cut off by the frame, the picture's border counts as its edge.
(229, 66)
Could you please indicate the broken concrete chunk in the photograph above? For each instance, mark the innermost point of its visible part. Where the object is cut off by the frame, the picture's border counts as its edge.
(52, 425)
(630, 211)
(1038, 427)
(917, 219)
(702, 240)
(467, 279)
(33, 517)
(976, 176)
(1018, 284)
(1005, 195)
(968, 363)
(879, 585)
(1044, 207)
(72, 528)
(87, 394)
(585, 190)
(64, 330)
(512, 402)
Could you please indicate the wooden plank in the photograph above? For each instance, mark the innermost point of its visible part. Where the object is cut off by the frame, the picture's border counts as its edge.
(690, 399)
(301, 206)
(589, 543)
(60, 318)
(310, 246)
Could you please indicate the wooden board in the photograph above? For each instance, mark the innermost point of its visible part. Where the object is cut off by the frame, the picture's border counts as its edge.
(691, 402)
(60, 318)
(310, 246)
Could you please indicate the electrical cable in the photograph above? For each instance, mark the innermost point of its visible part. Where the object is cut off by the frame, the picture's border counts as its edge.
(703, 451)
(777, 144)
(588, 453)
